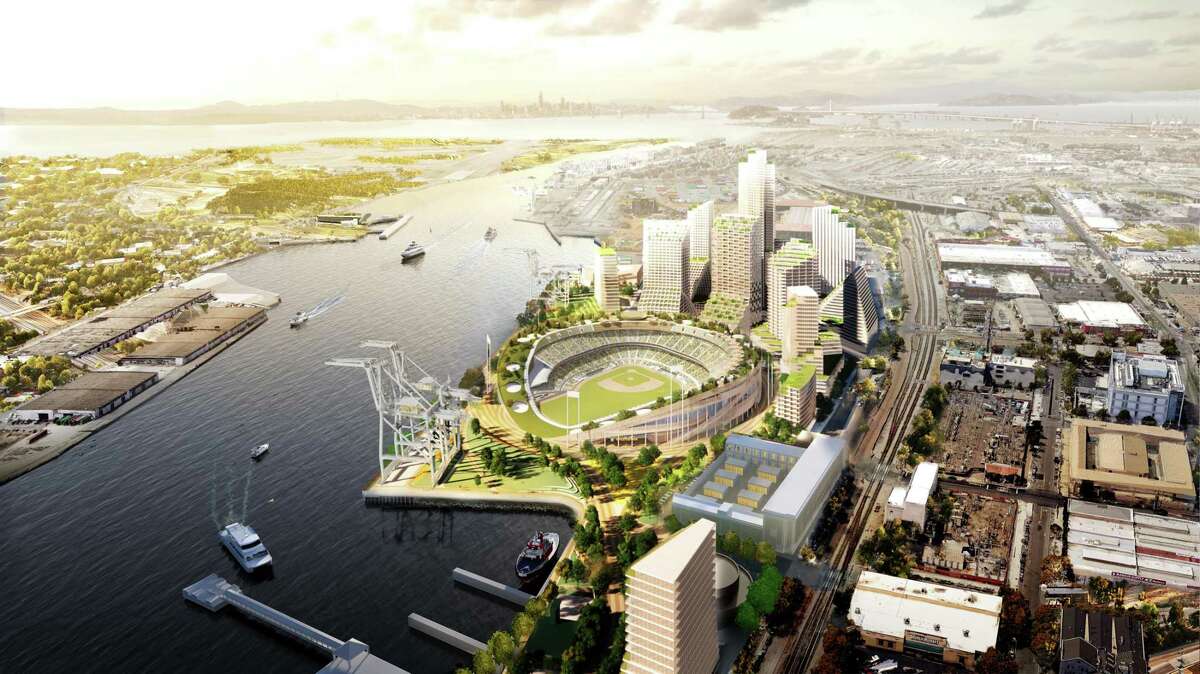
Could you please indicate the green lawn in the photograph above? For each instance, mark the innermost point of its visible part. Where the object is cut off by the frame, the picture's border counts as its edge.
(526, 474)
(596, 401)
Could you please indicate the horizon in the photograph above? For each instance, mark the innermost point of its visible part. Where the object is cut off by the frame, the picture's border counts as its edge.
(479, 52)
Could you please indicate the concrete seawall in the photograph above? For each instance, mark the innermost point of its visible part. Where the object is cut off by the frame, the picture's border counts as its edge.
(450, 498)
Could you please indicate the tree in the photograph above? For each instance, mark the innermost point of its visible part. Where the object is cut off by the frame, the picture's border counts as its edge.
(887, 550)
(648, 454)
(475, 426)
(1015, 621)
(840, 652)
(1124, 417)
(765, 554)
(994, 662)
(522, 626)
(673, 523)
(501, 648)
(747, 617)
(483, 662)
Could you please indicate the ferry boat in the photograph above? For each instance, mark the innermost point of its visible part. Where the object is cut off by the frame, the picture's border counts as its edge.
(412, 252)
(247, 548)
(490, 235)
(258, 451)
(538, 552)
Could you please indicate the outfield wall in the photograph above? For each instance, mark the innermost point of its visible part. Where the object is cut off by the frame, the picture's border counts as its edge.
(694, 419)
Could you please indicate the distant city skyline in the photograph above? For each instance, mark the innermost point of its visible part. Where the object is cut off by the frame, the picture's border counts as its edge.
(689, 51)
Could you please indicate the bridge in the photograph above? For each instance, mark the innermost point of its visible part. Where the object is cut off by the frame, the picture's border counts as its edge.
(895, 201)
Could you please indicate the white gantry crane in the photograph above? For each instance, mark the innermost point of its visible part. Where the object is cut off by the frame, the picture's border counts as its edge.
(423, 416)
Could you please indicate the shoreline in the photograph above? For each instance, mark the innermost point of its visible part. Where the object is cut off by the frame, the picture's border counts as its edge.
(56, 444)
(400, 496)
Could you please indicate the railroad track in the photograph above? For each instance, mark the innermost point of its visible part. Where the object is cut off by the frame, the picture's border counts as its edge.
(802, 647)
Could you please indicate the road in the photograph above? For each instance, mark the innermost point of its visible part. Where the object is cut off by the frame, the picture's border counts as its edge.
(1187, 357)
(1168, 662)
(894, 414)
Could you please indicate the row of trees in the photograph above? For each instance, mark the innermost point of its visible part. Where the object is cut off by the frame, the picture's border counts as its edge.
(502, 645)
(37, 373)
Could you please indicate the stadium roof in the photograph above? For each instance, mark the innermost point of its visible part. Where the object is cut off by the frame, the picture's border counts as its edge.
(997, 255)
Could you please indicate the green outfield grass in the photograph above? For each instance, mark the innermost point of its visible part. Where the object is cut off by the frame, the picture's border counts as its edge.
(598, 399)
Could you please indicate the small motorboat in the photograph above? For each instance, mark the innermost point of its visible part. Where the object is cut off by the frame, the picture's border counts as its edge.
(413, 251)
(247, 548)
(538, 552)
(258, 451)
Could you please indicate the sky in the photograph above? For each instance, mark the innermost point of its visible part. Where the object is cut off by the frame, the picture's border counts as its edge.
(161, 54)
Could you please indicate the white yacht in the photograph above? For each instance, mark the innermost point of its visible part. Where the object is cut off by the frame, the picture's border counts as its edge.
(246, 547)
(258, 451)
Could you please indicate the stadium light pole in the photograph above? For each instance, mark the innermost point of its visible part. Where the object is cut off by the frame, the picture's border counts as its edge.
(575, 395)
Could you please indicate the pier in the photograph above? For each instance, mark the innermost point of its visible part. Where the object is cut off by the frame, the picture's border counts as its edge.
(444, 634)
(215, 593)
(396, 226)
(546, 225)
(492, 587)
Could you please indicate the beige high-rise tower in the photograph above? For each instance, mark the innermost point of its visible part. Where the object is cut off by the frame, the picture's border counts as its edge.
(666, 283)
(606, 284)
(794, 264)
(670, 609)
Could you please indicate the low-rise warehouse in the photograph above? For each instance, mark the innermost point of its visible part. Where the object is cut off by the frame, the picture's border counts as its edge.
(904, 615)
(1000, 256)
(1139, 465)
(91, 396)
(775, 492)
(1126, 544)
(1093, 316)
(197, 334)
(94, 334)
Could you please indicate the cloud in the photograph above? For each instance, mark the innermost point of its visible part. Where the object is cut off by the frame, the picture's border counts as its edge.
(1144, 16)
(1107, 49)
(966, 56)
(722, 15)
(618, 18)
(1187, 40)
(1011, 8)
(1055, 43)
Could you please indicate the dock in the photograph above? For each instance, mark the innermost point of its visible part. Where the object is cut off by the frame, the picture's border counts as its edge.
(492, 587)
(351, 657)
(545, 225)
(444, 634)
(396, 226)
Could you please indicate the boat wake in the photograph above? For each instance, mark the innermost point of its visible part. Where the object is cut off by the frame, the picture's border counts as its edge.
(225, 504)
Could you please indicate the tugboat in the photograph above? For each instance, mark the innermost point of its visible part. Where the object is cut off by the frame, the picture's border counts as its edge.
(412, 252)
(246, 547)
(258, 451)
(537, 554)
(490, 235)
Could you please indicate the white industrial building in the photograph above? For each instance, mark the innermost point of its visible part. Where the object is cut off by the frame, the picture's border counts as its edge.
(908, 503)
(897, 614)
(1126, 544)
(766, 490)
(1093, 315)
(1145, 385)
(1013, 371)
(998, 255)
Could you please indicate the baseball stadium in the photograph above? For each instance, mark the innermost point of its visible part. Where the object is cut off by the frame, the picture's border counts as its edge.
(617, 379)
